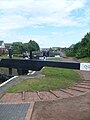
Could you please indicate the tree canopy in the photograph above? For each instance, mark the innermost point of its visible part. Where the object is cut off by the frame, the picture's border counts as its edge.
(82, 48)
(19, 47)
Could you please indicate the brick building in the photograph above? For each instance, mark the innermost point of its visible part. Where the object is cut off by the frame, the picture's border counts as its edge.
(2, 47)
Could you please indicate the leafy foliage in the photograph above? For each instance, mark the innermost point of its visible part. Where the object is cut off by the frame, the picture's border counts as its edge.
(81, 49)
(19, 47)
(69, 52)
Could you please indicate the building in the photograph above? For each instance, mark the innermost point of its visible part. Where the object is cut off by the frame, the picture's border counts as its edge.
(56, 48)
(7, 46)
(2, 47)
(45, 49)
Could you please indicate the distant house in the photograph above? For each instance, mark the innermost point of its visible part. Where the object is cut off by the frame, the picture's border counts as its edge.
(56, 48)
(45, 49)
(2, 47)
(7, 46)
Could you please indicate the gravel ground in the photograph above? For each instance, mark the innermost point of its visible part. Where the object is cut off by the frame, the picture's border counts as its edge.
(76, 108)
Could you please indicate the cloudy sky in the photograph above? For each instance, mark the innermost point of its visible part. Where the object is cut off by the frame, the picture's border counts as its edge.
(51, 23)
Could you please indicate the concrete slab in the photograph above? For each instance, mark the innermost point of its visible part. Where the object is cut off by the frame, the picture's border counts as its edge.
(13, 111)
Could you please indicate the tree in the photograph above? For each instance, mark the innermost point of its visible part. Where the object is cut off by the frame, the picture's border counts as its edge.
(19, 47)
(80, 49)
(33, 45)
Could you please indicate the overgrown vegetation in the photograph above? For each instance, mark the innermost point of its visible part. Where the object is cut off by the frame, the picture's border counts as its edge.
(81, 49)
(55, 78)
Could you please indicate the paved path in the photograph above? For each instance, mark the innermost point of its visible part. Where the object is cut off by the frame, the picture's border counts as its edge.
(13, 111)
(16, 111)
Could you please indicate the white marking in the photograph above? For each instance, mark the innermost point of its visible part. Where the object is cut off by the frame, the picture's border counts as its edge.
(85, 66)
(8, 81)
(31, 72)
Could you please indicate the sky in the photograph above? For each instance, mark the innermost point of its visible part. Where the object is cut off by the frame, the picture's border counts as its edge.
(51, 23)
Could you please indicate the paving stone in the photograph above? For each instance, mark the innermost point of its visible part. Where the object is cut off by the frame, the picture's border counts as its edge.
(61, 94)
(31, 96)
(11, 97)
(47, 96)
(13, 111)
(74, 92)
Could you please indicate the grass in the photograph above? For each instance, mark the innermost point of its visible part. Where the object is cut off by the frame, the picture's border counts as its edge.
(4, 56)
(86, 59)
(56, 59)
(55, 78)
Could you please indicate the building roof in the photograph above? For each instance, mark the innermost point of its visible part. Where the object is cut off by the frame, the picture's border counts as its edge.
(45, 49)
(1, 43)
(8, 45)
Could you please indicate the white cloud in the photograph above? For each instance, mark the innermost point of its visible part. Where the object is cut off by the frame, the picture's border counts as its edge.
(15, 14)
(12, 21)
(55, 33)
(75, 4)
(20, 13)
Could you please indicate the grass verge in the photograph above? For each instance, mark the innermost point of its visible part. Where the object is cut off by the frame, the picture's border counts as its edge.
(55, 78)
(86, 59)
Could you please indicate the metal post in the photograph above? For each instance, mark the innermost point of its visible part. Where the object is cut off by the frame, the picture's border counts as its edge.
(30, 54)
(10, 57)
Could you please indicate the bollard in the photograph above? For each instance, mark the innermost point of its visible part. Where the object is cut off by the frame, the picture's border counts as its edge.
(30, 56)
(10, 57)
